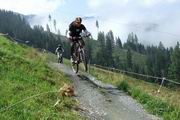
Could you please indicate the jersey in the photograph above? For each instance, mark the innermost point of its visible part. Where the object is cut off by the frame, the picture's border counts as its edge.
(75, 31)
(59, 50)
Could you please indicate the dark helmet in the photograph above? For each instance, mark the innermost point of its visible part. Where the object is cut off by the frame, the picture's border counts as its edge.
(78, 20)
(59, 45)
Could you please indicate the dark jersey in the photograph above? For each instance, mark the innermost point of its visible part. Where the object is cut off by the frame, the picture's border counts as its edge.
(74, 30)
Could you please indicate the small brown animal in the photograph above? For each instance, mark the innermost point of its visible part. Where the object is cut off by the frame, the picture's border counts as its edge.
(67, 90)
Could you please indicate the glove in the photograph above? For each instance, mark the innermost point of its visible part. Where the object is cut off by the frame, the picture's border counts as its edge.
(72, 38)
(88, 34)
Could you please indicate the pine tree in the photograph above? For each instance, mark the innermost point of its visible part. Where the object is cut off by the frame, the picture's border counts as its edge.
(54, 22)
(174, 69)
(132, 42)
(100, 55)
(129, 59)
(47, 28)
(50, 19)
(118, 43)
(109, 48)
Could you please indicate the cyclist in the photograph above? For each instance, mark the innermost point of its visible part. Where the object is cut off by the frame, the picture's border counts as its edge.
(75, 30)
(59, 51)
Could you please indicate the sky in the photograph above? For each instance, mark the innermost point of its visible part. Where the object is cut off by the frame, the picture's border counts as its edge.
(151, 20)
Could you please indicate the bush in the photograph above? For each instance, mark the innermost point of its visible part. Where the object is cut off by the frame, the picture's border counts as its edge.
(123, 86)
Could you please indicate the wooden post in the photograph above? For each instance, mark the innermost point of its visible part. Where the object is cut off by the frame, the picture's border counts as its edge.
(161, 84)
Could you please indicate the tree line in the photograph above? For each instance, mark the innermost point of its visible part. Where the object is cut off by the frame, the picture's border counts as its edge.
(106, 50)
(17, 26)
(136, 57)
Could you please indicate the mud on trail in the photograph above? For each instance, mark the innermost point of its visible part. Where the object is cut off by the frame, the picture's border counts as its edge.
(103, 103)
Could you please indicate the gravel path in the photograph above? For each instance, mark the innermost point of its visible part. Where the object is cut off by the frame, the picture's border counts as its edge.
(102, 101)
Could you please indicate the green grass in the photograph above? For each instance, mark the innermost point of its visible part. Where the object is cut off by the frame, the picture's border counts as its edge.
(165, 104)
(24, 73)
(123, 86)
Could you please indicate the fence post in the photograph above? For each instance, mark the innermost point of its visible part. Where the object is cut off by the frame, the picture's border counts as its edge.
(161, 84)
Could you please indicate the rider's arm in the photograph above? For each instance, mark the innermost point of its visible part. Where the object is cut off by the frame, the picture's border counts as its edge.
(70, 29)
(85, 31)
(83, 27)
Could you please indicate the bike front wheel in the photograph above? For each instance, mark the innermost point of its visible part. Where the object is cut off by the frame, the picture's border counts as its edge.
(75, 57)
(75, 67)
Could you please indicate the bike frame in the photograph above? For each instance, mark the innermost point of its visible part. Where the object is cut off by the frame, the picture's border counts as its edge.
(79, 54)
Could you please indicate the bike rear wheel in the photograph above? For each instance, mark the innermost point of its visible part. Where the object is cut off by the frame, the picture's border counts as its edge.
(84, 60)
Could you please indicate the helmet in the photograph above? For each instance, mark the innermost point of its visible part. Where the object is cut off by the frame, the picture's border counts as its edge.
(59, 45)
(78, 20)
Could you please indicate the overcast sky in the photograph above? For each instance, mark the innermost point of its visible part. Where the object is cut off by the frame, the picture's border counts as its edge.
(152, 20)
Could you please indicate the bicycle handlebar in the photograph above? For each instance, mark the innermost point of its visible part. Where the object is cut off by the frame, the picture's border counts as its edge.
(75, 38)
(81, 36)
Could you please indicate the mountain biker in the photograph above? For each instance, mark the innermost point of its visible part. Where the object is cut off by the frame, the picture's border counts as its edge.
(75, 30)
(59, 51)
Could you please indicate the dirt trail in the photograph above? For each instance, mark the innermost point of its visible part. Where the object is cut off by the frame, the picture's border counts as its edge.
(105, 103)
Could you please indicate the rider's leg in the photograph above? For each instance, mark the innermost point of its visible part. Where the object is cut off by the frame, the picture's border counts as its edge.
(72, 60)
(61, 58)
(82, 43)
(71, 44)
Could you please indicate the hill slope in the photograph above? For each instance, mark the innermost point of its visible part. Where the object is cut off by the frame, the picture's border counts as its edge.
(24, 73)
(165, 103)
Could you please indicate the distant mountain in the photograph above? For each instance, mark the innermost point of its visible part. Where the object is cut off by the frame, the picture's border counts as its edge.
(29, 17)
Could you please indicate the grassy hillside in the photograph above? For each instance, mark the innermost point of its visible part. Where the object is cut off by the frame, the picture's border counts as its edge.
(24, 73)
(165, 104)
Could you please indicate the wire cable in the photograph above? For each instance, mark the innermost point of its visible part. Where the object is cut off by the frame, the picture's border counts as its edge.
(30, 97)
(143, 75)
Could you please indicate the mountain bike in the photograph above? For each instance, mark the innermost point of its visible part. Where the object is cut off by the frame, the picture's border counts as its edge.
(79, 55)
